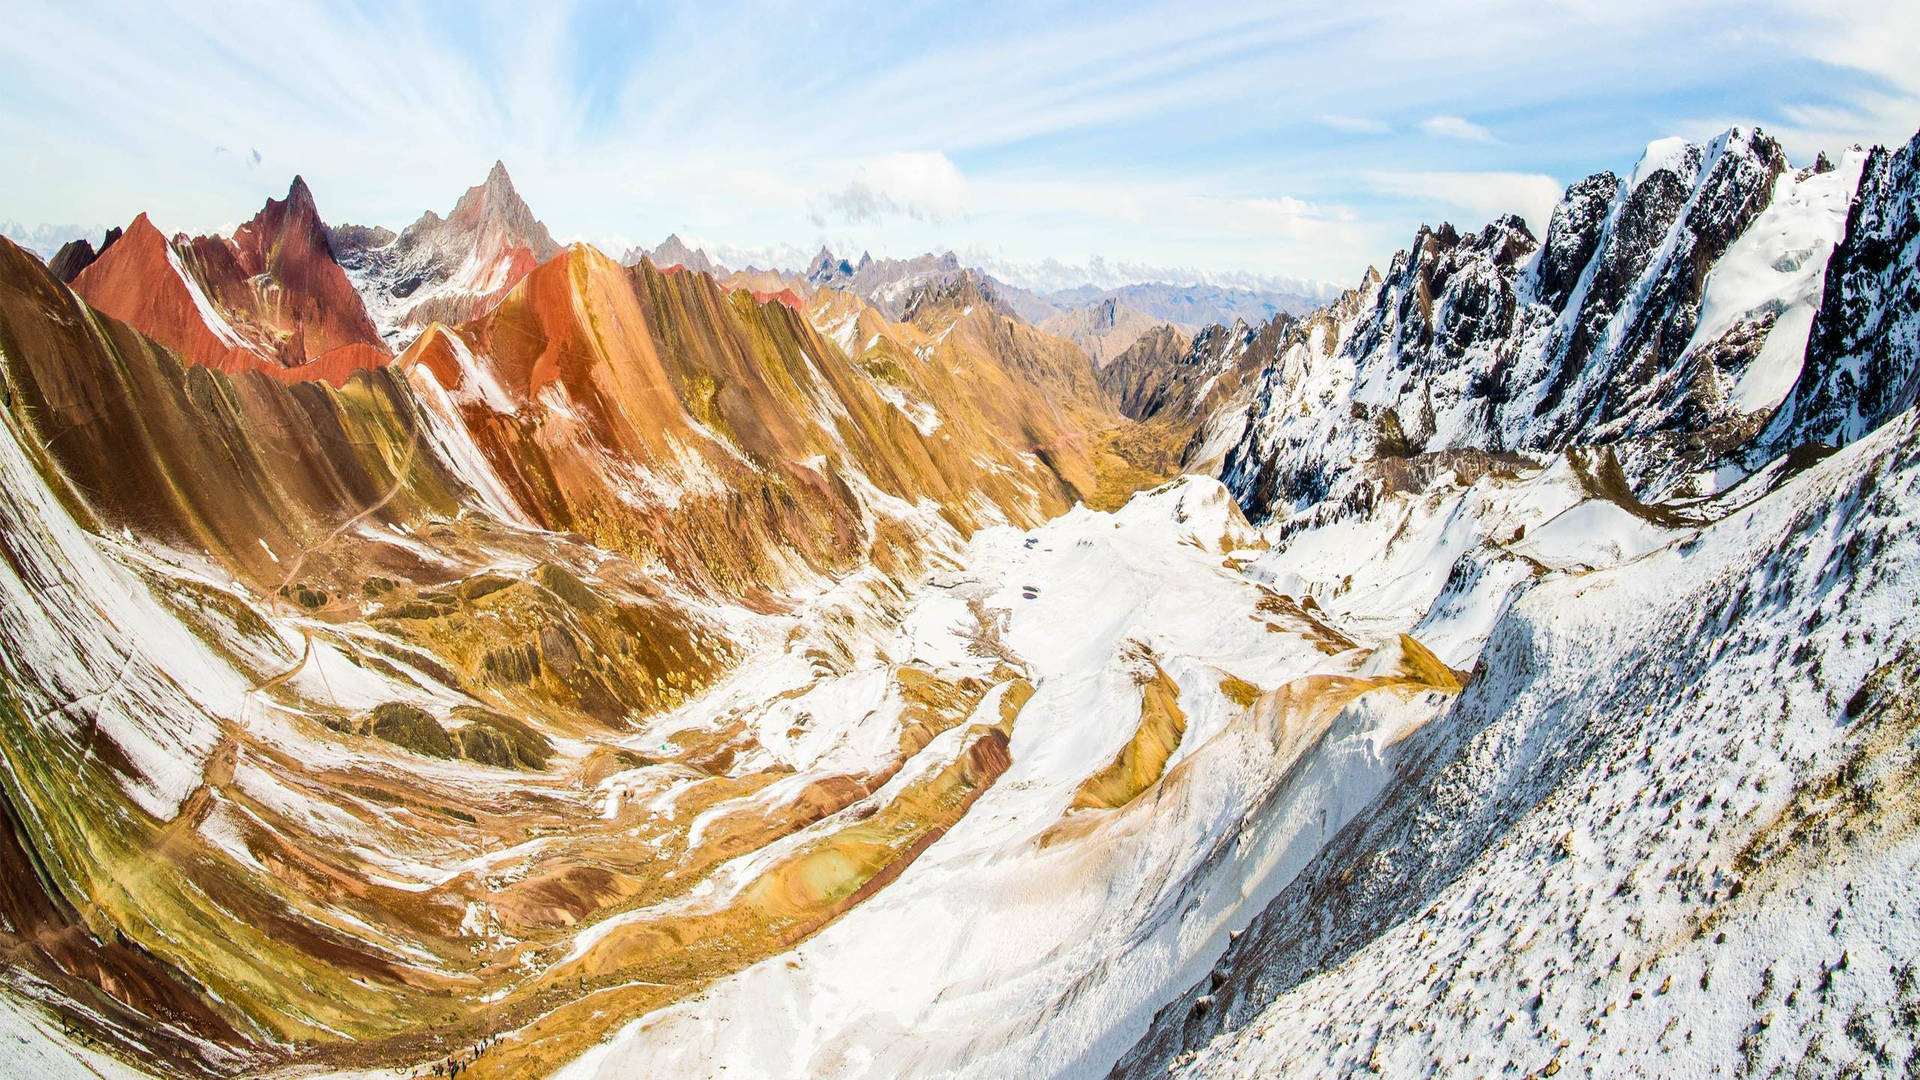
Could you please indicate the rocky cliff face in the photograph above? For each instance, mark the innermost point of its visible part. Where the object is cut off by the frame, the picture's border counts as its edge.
(76, 255)
(1664, 314)
(285, 255)
(447, 269)
(1863, 355)
(1140, 377)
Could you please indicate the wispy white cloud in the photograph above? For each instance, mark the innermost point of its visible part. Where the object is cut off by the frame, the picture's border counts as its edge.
(1354, 125)
(1455, 127)
(1154, 135)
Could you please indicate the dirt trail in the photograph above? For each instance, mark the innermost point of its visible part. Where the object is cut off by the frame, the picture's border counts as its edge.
(220, 765)
(399, 482)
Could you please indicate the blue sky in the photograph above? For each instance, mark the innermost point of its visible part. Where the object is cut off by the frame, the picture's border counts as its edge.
(1047, 141)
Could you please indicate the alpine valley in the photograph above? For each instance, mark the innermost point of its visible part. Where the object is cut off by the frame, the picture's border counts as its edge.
(448, 651)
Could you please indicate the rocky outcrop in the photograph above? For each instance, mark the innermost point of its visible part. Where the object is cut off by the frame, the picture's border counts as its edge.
(1139, 379)
(1620, 327)
(304, 289)
(76, 255)
(449, 269)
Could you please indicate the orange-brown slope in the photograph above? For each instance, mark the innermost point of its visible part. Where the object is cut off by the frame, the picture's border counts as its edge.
(306, 295)
(237, 464)
(669, 417)
(271, 299)
(142, 282)
(1028, 397)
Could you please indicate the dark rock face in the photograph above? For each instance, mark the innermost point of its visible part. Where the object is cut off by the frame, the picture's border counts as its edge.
(1863, 354)
(73, 257)
(1573, 234)
(345, 240)
(76, 255)
(1646, 290)
(1495, 341)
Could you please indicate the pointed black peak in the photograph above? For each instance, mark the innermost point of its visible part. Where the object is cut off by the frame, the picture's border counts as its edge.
(300, 196)
(73, 257)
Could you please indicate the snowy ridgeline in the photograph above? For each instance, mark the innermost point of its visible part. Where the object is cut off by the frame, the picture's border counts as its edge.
(1666, 830)
(1665, 314)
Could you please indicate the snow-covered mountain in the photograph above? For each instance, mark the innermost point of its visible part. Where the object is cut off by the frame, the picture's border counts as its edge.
(890, 284)
(1190, 307)
(1664, 314)
(1655, 833)
(674, 251)
(445, 269)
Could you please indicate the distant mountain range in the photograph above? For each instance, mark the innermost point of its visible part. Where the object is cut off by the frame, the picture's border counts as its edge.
(1102, 321)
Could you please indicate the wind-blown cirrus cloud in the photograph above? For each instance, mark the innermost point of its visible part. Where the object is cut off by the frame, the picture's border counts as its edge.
(1455, 127)
(1299, 140)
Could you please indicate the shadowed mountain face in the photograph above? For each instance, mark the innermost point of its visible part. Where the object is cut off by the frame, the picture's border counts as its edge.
(624, 676)
(271, 298)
